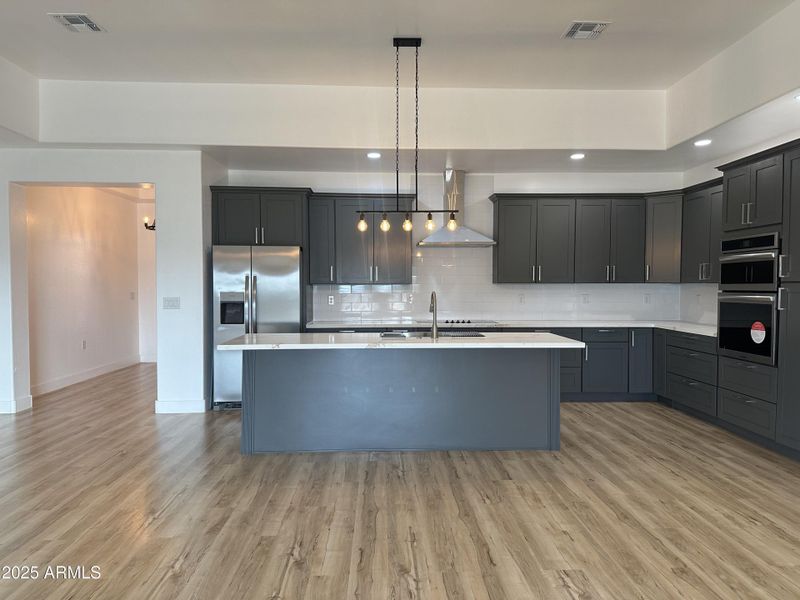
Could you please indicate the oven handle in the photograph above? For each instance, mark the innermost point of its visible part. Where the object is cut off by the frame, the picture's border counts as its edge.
(748, 297)
(749, 256)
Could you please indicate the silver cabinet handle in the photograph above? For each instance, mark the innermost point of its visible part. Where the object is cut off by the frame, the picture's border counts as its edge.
(605, 330)
(781, 306)
(586, 348)
(256, 230)
(647, 272)
(255, 304)
(700, 272)
(331, 273)
(263, 240)
(533, 273)
(743, 209)
(613, 272)
(247, 303)
(539, 268)
(608, 271)
(376, 272)
(370, 272)
(633, 338)
(781, 259)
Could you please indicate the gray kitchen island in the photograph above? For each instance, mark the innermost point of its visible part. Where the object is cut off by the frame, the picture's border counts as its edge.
(314, 392)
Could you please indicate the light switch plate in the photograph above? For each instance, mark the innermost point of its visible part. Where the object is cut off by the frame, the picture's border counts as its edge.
(171, 302)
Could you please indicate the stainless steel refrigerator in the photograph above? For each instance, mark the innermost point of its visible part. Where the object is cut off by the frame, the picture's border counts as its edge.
(256, 290)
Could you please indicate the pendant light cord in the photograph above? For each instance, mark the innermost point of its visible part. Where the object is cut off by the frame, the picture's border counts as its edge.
(397, 127)
(416, 128)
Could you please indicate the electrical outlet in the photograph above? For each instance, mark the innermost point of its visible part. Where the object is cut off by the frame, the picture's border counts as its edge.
(647, 298)
(83, 345)
(330, 300)
(521, 298)
(171, 302)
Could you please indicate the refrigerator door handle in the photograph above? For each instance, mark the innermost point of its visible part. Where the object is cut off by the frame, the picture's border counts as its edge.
(247, 303)
(254, 293)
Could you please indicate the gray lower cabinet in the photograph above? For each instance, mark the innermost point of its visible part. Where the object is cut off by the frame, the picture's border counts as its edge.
(663, 238)
(701, 236)
(592, 240)
(693, 394)
(640, 361)
(751, 379)
(748, 413)
(570, 380)
(628, 219)
(660, 362)
(788, 408)
(790, 261)
(692, 364)
(321, 240)
(605, 367)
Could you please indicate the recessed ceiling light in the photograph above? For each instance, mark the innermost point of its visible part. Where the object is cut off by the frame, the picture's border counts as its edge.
(701, 143)
(373, 155)
(577, 156)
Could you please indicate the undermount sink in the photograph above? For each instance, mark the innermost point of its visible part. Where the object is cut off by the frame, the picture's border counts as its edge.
(427, 334)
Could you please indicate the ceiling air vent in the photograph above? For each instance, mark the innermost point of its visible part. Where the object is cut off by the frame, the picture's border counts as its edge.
(585, 30)
(77, 23)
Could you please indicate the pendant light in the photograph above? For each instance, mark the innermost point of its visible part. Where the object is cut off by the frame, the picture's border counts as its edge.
(408, 225)
(451, 223)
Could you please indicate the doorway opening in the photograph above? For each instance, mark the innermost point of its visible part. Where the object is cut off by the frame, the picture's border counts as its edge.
(91, 280)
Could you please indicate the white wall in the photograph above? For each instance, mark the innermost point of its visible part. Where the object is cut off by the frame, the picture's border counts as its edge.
(179, 246)
(82, 284)
(146, 261)
(19, 100)
(756, 69)
(305, 116)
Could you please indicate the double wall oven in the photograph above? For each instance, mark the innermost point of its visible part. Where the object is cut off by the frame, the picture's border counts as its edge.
(750, 299)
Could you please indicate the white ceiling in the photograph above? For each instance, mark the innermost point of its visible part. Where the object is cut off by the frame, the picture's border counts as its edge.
(779, 118)
(467, 43)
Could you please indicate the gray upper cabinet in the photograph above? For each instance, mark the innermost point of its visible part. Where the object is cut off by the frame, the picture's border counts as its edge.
(555, 240)
(640, 358)
(354, 258)
(258, 216)
(701, 235)
(372, 256)
(237, 218)
(663, 239)
(321, 240)
(788, 417)
(592, 240)
(790, 262)
(753, 194)
(392, 249)
(628, 217)
(282, 218)
(515, 232)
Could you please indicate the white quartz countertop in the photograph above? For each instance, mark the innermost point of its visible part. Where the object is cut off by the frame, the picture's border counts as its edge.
(353, 341)
(681, 326)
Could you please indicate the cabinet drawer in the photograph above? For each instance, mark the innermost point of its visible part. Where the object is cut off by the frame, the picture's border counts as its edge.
(694, 394)
(691, 364)
(571, 357)
(570, 380)
(690, 341)
(758, 381)
(617, 334)
(748, 413)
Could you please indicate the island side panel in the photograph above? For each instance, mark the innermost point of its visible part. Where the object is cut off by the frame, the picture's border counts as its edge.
(249, 360)
(403, 399)
(555, 399)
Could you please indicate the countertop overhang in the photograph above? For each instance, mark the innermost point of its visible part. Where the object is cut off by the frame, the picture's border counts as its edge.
(369, 341)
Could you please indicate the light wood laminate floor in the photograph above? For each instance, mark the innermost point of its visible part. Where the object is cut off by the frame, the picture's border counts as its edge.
(642, 502)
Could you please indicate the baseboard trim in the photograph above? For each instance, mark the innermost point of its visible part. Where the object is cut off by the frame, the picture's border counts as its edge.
(61, 382)
(171, 407)
(10, 407)
(606, 397)
(147, 358)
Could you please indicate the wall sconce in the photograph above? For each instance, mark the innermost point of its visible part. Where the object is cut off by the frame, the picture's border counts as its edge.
(149, 226)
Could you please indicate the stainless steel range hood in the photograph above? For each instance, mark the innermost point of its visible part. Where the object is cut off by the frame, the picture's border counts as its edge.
(461, 237)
